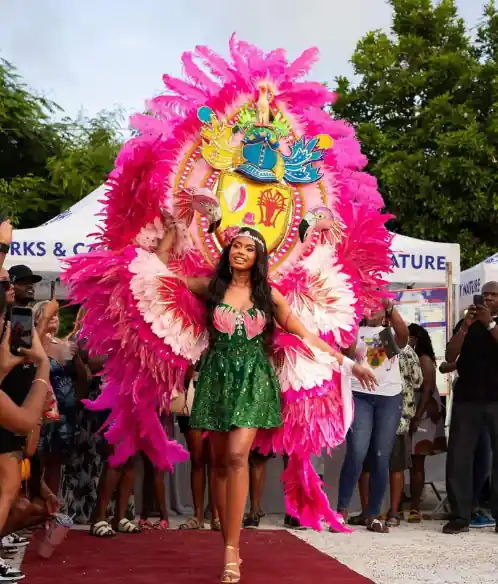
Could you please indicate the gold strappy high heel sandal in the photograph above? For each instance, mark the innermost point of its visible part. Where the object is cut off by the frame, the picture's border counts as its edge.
(230, 575)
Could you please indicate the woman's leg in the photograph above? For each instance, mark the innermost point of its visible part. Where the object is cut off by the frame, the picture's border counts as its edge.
(358, 442)
(399, 463)
(25, 514)
(397, 482)
(387, 414)
(108, 483)
(147, 488)
(257, 479)
(417, 480)
(160, 492)
(219, 455)
(198, 460)
(212, 503)
(10, 483)
(52, 469)
(363, 485)
(240, 441)
(125, 487)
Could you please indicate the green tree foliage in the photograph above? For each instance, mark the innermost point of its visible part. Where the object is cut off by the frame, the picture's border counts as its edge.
(46, 165)
(425, 107)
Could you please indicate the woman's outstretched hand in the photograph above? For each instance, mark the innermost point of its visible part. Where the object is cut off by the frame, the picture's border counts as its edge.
(365, 377)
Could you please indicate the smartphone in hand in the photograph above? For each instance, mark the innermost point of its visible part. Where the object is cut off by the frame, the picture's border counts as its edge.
(21, 334)
(478, 300)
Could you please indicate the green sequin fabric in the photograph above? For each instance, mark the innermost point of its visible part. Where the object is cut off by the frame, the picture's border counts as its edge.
(237, 386)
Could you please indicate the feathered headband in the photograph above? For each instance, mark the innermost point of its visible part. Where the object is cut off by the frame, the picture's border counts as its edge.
(234, 231)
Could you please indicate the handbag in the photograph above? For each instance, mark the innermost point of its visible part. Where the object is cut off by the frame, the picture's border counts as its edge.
(181, 401)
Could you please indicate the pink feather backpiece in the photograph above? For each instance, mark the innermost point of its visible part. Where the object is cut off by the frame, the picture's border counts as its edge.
(140, 313)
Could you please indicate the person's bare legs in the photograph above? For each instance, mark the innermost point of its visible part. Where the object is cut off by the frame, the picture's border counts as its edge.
(240, 441)
(417, 480)
(148, 488)
(363, 487)
(219, 455)
(257, 480)
(125, 488)
(212, 503)
(10, 483)
(397, 485)
(52, 470)
(198, 460)
(160, 492)
(108, 483)
(25, 514)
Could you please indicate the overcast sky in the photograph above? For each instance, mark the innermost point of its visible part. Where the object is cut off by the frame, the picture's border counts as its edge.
(95, 54)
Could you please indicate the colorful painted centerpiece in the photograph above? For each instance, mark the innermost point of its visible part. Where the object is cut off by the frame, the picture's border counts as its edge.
(262, 163)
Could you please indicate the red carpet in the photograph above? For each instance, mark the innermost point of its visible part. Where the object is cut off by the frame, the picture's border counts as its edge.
(180, 557)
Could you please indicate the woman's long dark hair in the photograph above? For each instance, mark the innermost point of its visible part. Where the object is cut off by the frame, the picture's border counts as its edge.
(260, 288)
(423, 346)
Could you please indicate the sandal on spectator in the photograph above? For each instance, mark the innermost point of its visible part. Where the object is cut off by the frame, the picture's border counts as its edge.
(377, 526)
(191, 524)
(393, 519)
(161, 525)
(358, 520)
(126, 526)
(145, 525)
(102, 529)
(414, 516)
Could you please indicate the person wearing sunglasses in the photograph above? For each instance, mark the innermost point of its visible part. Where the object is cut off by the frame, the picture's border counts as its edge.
(7, 286)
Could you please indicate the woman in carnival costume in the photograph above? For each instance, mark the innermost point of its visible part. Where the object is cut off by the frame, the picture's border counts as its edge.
(239, 228)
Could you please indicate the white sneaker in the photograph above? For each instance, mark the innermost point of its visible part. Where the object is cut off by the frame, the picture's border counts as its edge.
(8, 573)
(14, 540)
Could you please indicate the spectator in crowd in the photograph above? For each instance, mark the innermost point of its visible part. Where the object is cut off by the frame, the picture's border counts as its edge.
(474, 348)
(6, 284)
(482, 468)
(35, 504)
(377, 414)
(82, 472)
(200, 467)
(154, 489)
(411, 374)
(21, 407)
(67, 374)
(427, 427)
(257, 479)
(24, 282)
(118, 481)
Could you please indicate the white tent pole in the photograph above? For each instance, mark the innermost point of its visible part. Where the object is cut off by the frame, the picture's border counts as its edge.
(450, 310)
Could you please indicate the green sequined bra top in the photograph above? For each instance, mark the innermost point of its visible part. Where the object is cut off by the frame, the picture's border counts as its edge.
(237, 386)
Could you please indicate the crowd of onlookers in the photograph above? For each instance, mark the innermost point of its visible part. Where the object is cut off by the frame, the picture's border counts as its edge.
(53, 457)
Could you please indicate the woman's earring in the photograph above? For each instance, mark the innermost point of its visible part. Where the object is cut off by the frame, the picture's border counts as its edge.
(230, 268)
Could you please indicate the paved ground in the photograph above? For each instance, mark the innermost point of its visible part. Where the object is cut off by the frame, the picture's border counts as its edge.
(408, 555)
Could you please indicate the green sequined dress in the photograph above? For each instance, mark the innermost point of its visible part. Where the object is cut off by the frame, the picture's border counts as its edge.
(237, 386)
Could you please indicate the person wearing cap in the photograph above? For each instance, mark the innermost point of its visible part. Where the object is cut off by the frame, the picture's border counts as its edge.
(24, 281)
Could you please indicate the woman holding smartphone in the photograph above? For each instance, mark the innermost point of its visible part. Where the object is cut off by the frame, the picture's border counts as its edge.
(20, 414)
(377, 413)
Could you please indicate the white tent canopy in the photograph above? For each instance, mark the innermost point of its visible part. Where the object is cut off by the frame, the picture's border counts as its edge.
(473, 279)
(423, 263)
(42, 248)
(416, 262)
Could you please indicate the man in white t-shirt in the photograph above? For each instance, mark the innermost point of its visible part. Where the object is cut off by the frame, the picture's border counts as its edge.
(377, 414)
